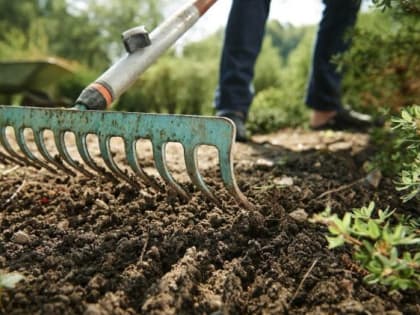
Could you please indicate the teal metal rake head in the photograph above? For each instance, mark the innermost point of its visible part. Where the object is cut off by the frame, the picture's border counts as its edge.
(189, 131)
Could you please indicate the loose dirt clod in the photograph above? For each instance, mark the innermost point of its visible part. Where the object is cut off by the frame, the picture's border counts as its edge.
(21, 237)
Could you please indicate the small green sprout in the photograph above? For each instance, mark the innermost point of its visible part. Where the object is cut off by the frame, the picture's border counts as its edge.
(377, 245)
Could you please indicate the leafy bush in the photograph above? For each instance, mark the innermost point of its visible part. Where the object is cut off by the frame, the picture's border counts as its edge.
(399, 155)
(281, 104)
(16, 44)
(408, 129)
(377, 245)
(269, 67)
(382, 66)
(272, 109)
(407, 6)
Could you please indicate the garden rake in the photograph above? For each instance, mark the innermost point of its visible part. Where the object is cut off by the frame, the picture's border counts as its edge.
(89, 116)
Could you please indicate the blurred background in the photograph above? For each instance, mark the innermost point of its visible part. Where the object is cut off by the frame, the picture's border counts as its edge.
(51, 49)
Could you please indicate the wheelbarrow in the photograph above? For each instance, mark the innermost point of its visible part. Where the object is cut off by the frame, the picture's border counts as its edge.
(36, 80)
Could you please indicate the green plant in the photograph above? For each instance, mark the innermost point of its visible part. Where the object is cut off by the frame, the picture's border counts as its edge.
(387, 77)
(381, 248)
(399, 151)
(272, 109)
(408, 127)
(408, 6)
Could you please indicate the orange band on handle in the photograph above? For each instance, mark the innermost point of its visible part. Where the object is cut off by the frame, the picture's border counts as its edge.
(204, 5)
(104, 92)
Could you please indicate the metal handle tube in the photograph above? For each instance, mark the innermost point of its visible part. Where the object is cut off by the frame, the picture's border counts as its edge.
(119, 77)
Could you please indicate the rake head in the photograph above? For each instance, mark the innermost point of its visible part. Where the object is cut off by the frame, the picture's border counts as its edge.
(189, 131)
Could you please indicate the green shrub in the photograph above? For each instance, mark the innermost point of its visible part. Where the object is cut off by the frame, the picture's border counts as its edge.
(399, 151)
(408, 129)
(381, 68)
(273, 109)
(269, 67)
(383, 249)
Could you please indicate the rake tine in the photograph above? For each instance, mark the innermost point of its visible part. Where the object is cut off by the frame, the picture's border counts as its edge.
(104, 146)
(14, 156)
(159, 157)
(4, 157)
(9, 159)
(39, 141)
(130, 151)
(20, 139)
(190, 155)
(81, 144)
(226, 169)
(64, 154)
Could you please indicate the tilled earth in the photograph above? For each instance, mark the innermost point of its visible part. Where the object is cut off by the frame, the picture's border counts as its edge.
(88, 246)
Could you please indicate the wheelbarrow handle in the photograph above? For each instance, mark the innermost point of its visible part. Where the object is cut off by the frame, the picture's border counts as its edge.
(122, 75)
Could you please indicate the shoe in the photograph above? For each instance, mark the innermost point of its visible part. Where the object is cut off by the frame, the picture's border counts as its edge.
(238, 119)
(347, 119)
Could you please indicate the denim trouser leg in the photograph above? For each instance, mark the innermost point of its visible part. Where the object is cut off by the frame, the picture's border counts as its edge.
(243, 39)
(324, 88)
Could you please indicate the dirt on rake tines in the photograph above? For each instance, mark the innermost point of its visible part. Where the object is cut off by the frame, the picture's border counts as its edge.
(87, 246)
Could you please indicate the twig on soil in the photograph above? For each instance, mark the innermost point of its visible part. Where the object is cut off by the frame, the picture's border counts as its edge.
(303, 280)
(16, 192)
(343, 187)
(144, 248)
(10, 170)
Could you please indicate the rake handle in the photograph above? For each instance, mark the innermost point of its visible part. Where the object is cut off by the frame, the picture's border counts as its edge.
(204, 5)
(122, 75)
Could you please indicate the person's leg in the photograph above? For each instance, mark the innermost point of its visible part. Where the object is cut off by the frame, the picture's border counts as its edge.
(242, 44)
(324, 89)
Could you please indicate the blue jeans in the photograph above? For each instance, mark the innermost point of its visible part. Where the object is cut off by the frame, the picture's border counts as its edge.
(242, 45)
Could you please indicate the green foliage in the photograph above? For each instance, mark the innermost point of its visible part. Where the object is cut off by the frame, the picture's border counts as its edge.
(269, 67)
(382, 66)
(406, 6)
(32, 44)
(88, 31)
(399, 155)
(206, 50)
(280, 101)
(272, 110)
(286, 37)
(408, 142)
(377, 245)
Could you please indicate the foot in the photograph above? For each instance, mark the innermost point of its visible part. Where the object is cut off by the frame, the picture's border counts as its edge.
(343, 119)
(238, 119)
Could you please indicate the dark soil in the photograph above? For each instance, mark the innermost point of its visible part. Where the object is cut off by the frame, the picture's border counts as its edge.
(87, 246)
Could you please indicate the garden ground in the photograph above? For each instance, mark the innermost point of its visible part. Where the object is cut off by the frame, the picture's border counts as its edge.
(86, 246)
